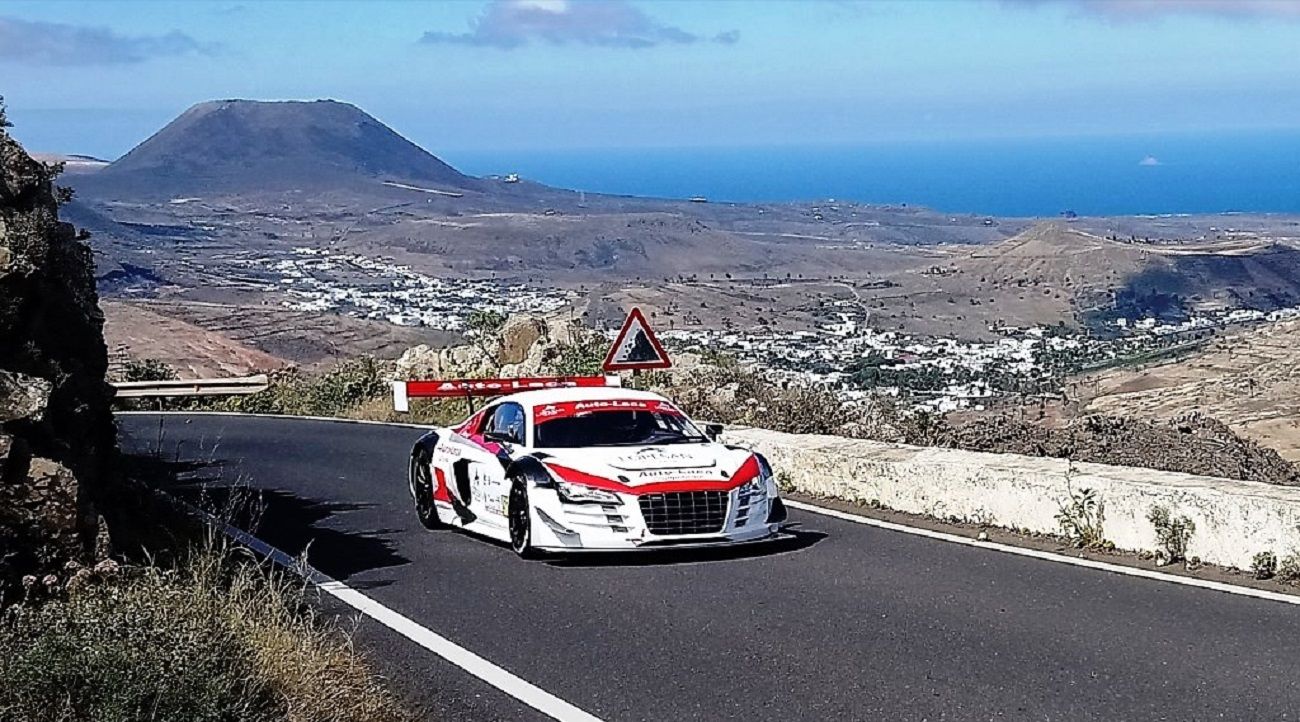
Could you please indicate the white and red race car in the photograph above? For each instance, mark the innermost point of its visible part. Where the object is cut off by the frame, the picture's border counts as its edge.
(587, 468)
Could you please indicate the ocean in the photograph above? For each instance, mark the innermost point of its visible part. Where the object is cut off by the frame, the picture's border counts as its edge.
(1115, 175)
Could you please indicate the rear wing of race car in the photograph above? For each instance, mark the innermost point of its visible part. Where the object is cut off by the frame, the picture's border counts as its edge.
(404, 391)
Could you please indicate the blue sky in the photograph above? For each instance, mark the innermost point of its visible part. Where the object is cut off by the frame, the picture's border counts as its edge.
(98, 77)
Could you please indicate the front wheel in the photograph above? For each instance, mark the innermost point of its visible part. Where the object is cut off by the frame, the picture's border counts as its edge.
(422, 486)
(521, 520)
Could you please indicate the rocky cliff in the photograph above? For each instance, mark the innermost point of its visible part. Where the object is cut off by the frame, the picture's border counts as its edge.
(57, 440)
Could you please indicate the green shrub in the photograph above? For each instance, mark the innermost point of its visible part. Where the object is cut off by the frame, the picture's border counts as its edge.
(484, 323)
(584, 358)
(721, 359)
(286, 394)
(435, 412)
(218, 639)
(785, 482)
(1288, 570)
(1264, 565)
(1173, 533)
(146, 369)
(1081, 519)
(735, 395)
(346, 385)
(343, 387)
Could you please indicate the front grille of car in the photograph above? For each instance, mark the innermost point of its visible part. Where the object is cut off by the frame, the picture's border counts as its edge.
(686, 512)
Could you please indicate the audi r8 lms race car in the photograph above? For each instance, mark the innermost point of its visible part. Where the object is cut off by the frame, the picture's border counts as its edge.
(580, 467)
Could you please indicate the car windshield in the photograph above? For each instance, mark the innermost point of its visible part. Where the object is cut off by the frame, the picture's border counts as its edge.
(616, 427)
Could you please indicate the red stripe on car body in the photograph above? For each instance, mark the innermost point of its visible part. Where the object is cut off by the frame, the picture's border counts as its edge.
(747, 470)
(746, 473)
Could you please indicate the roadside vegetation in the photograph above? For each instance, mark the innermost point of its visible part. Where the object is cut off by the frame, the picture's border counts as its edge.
(723, 393)
(1173, 533)
(217, 636)
(1264, 565)
(1288, 570)
(1082, 518)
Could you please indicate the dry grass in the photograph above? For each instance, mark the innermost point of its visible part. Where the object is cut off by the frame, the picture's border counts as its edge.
(435, 412)
(219, 637)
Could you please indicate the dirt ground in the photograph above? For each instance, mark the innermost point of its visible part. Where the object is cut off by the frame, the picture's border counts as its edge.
(206, 340)
(133, 331)
(1249, 380)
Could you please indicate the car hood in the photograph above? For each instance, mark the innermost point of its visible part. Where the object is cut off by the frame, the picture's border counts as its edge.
(636, 465)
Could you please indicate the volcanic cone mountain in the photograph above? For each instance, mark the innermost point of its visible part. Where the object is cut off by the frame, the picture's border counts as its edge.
(234, 146)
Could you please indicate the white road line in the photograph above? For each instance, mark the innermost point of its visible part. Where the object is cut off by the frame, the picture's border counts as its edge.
(526, 692)
(1050, 556)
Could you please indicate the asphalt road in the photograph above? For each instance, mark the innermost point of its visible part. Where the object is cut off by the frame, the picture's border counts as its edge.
(844, 622)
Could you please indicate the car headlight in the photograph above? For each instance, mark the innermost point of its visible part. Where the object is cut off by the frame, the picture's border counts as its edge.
(754, 487)
(580, 494)
(763, 482)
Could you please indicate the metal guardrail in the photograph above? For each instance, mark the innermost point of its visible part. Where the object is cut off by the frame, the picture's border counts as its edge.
(191, 387)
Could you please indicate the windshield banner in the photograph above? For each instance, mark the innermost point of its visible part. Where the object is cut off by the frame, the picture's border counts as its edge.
(548, 412)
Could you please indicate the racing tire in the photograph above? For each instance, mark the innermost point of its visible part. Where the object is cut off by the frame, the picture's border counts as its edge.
(521, 520)
(423, 485)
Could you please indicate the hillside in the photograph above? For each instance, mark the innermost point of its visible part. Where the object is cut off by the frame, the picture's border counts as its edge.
(208, 339)
(1058, 267)
(1057, 254)
(133, 331)
(221, 207)
(1249, 380)
(233, 146)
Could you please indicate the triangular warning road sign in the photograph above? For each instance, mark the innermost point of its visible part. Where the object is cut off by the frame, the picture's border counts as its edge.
(636, 347)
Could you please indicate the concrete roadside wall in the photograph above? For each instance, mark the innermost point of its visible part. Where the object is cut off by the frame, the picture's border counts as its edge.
(1234, 519)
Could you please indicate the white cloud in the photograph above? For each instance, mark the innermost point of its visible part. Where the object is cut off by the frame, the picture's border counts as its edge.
(610, 23)
(42, 43)
(1131, 10)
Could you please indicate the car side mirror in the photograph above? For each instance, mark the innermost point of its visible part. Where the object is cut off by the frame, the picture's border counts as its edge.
(501, 437)
(713, 431)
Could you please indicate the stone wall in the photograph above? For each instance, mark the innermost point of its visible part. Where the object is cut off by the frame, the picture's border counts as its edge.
(57, 440)
(1234, 519)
